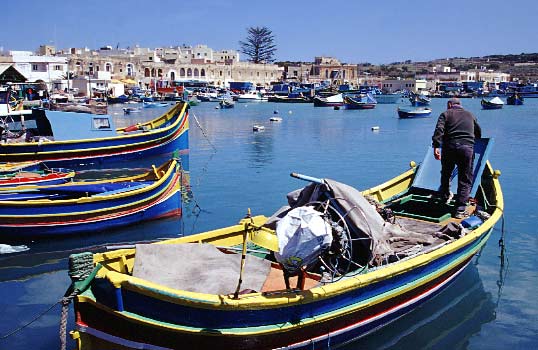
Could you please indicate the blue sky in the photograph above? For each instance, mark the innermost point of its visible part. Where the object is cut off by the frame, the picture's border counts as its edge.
(353, 31)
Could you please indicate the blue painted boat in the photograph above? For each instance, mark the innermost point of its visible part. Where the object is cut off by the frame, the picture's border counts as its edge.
(494, 103)
(254, 293)
(419, 100)
(514, 100)
(82, 207)
(65, 139)
(419, 112)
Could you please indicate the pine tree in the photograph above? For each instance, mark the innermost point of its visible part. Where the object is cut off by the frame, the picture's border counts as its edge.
(259, 45)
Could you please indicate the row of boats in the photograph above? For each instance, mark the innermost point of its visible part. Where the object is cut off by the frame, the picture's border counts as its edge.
(331, 266)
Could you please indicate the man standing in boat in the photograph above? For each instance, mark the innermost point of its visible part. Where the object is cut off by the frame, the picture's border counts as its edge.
(453, 143)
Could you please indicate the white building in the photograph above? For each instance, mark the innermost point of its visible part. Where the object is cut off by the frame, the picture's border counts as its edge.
(34, 68)
(413, 85)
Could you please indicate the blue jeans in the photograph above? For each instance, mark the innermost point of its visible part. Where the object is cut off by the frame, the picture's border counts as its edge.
(462, 156)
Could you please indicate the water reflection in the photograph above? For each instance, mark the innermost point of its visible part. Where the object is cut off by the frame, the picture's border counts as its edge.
(446, 322)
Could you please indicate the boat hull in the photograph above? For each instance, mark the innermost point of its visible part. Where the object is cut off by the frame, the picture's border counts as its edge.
(416, 113)
(488, 105)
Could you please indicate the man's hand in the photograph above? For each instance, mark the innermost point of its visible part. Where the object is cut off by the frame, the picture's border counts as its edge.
(437, 153)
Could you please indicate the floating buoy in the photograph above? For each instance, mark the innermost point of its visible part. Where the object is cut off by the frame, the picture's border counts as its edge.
(290, 112)
(275, 112)
(375, 128)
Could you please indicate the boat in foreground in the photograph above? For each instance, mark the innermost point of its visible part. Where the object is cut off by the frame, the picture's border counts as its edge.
(87, 206)
(494, 103)
(362, 260)
(419, 112)
(67, 139)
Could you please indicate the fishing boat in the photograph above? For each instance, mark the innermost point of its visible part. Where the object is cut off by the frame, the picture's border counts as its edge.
(155, 104)
(251, 96)
(35, 174)
(130, 110)
(514, 100)
(333, 265)
(67, 139)
(225, 104)
(418, 112)
(494, 103)
(329, 101)
(290, 98)
(419, 100)
(359, 102)
(88, 206)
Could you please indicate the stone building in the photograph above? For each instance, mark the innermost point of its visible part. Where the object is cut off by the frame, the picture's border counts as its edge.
(176, 63)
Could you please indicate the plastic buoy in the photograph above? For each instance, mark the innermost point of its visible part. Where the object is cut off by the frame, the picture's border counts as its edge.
(290, 112)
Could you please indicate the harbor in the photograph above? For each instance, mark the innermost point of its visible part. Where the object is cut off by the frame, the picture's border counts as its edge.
(234, 170)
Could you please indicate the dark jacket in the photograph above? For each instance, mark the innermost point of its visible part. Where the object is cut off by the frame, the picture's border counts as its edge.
(456, 125)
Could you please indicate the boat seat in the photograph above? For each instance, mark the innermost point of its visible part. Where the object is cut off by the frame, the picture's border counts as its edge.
(428, 177)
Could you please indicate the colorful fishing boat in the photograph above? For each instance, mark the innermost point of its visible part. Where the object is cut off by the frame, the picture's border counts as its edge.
(419, 100)
(359, 102)
(494, 103)
(36, 174)
(419, 112)
(89, 206)
(514, 100)
(70, 139)
(376, 256)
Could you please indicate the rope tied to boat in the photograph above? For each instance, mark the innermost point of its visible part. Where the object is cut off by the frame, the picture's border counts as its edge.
(65, 301)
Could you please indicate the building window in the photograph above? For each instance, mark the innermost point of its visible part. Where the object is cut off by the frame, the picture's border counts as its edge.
(146, 72)
(189, 72)
(196, 73)
(182, 72)
(57, 67)
(35, 67)
(202, 72)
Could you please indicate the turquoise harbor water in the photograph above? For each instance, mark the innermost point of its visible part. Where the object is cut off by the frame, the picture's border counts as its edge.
(233, 168)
